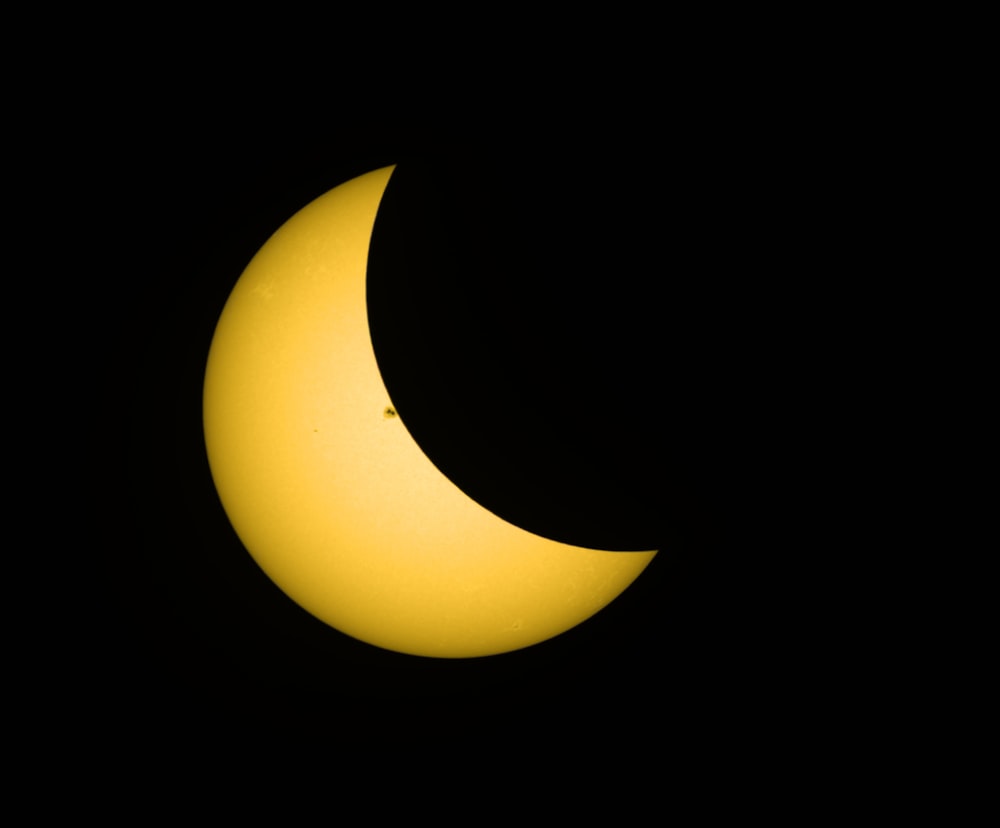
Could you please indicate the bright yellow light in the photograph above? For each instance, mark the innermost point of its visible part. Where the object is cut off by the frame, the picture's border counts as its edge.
(328, 490)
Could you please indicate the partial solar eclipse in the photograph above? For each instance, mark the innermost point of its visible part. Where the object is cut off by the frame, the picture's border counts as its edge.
(329, 492)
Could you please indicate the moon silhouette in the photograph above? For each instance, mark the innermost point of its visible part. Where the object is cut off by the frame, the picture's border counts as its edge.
(512, 307)
(327, 488)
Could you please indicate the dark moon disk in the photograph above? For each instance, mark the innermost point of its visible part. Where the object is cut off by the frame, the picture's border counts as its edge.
(548, 334)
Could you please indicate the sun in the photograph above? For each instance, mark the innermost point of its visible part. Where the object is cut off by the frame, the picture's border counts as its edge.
(328, 490)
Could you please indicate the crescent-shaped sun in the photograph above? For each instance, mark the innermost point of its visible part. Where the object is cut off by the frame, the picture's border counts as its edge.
(329, 492)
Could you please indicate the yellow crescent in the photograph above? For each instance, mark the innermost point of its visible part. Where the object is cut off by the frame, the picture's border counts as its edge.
(329, 492)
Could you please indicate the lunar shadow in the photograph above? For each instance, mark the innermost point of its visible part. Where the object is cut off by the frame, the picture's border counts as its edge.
(551, 337)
